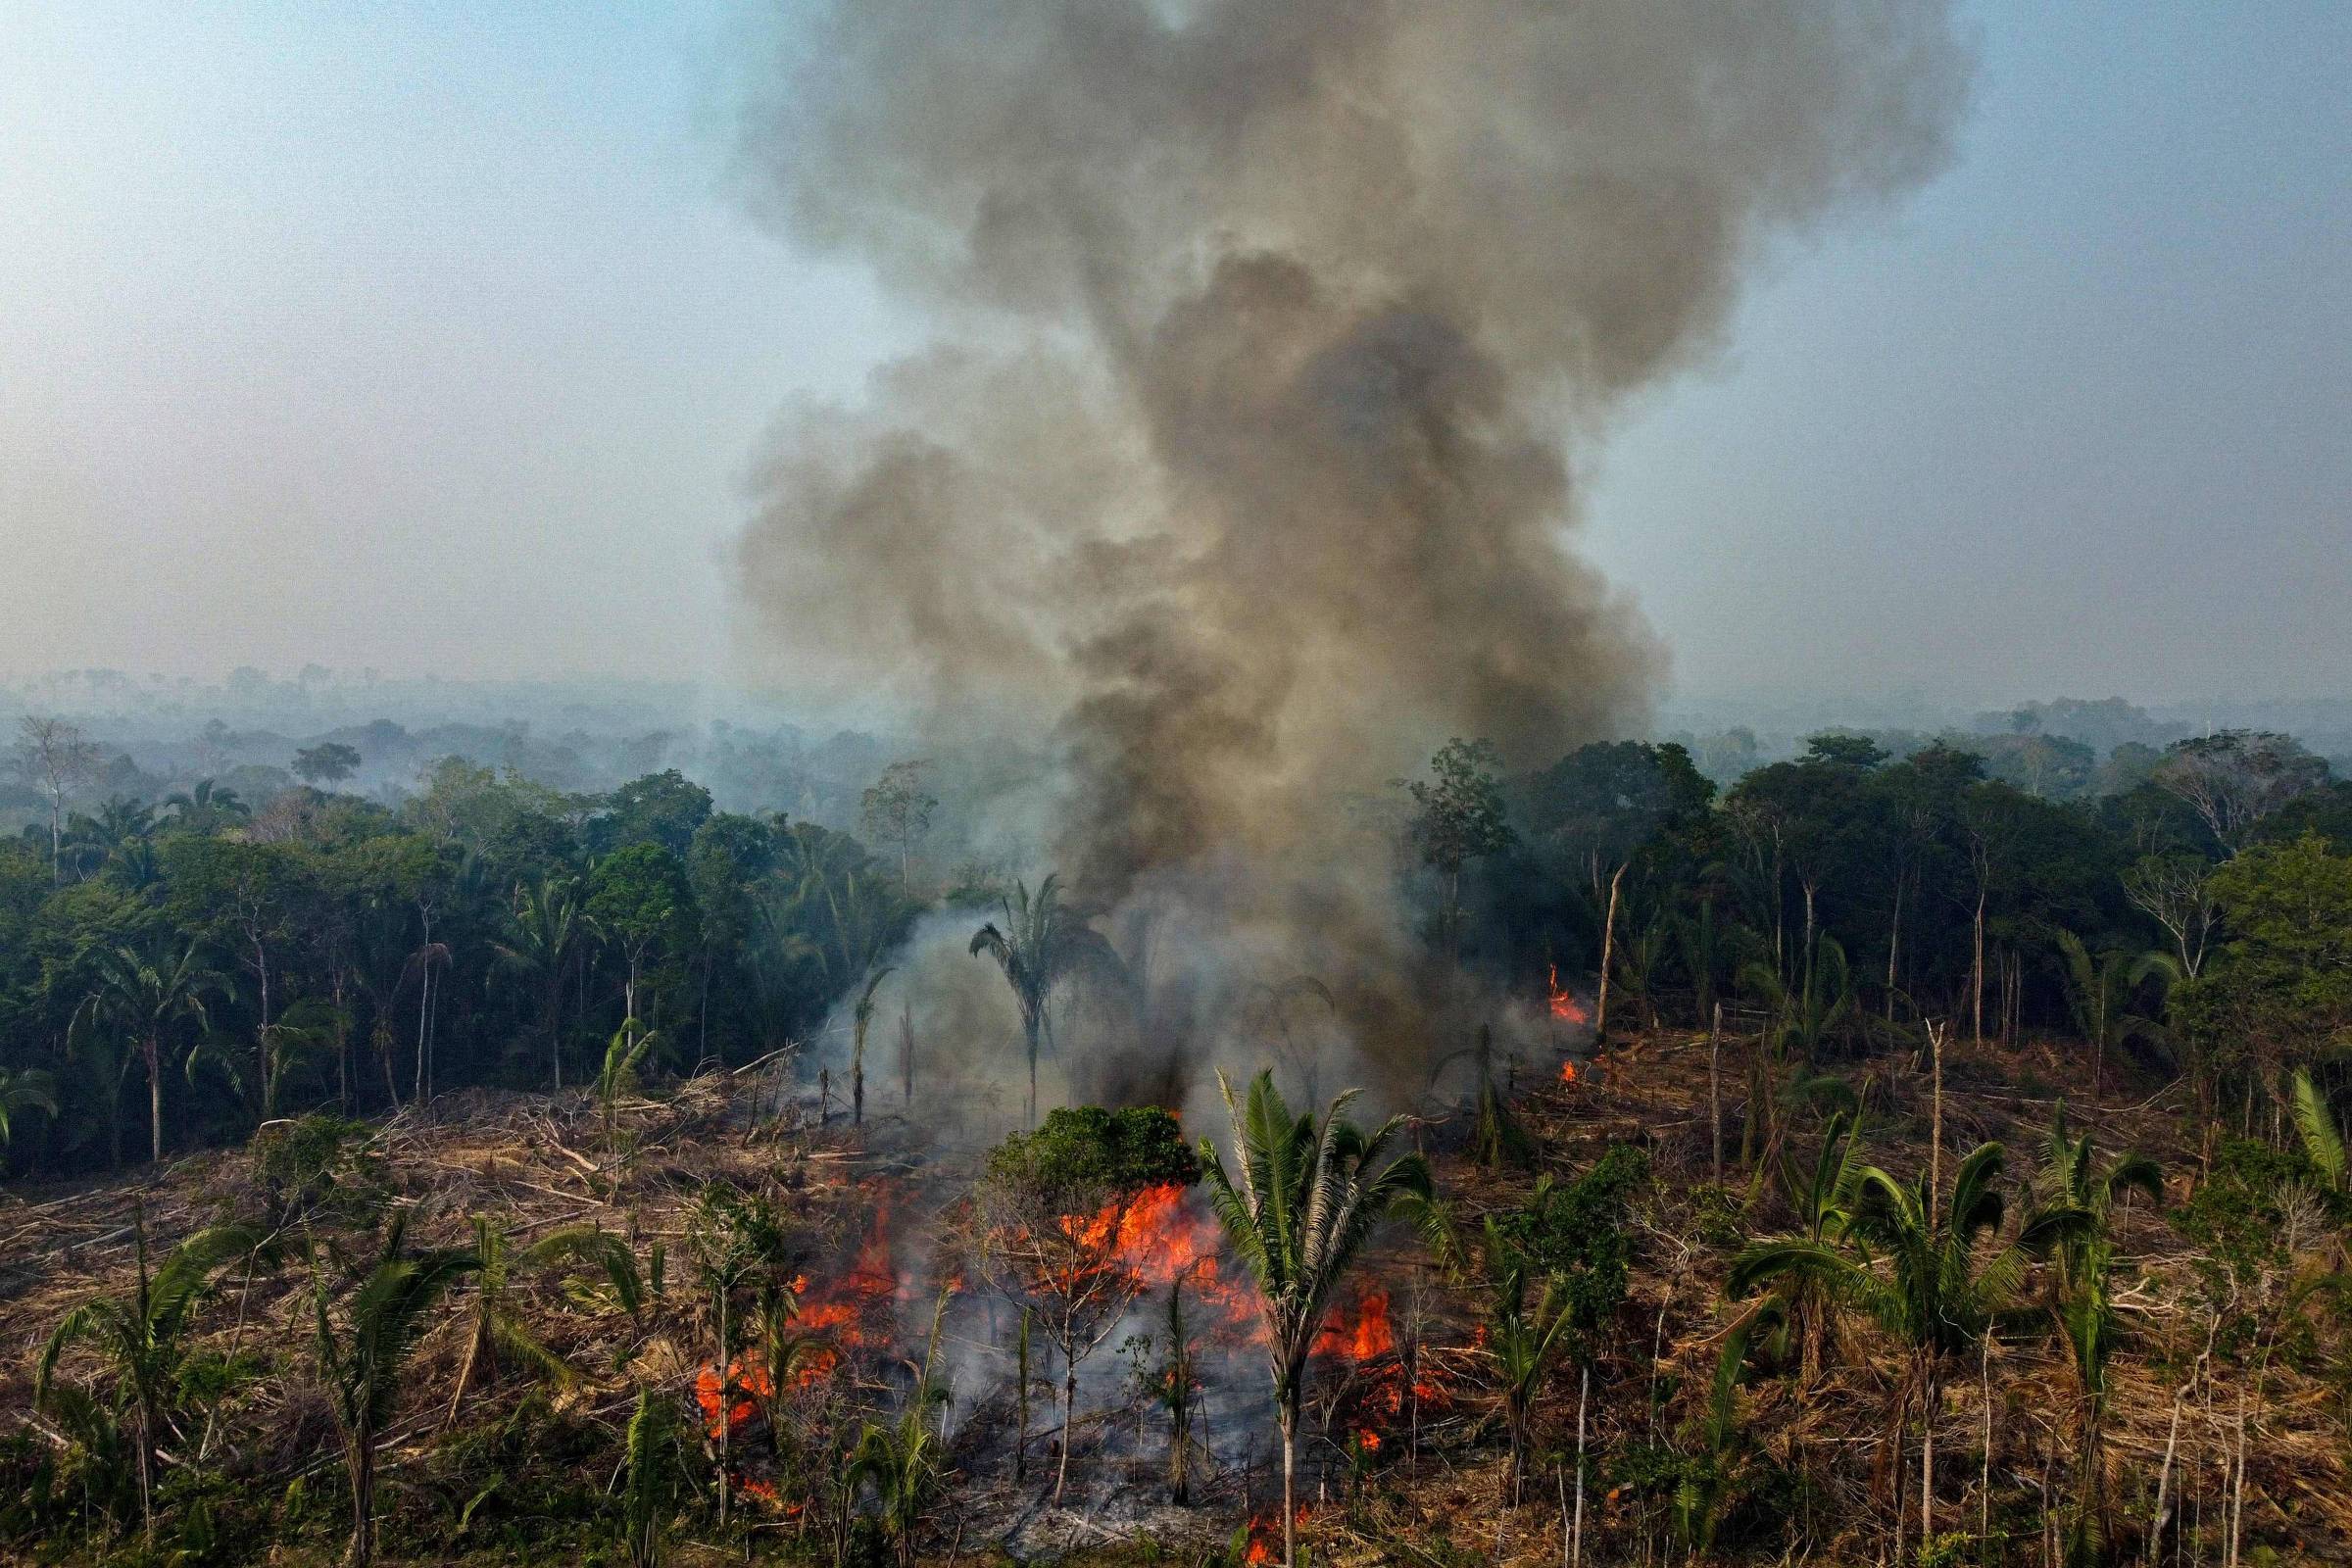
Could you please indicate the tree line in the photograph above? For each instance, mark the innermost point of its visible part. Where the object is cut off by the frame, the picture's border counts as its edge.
(179, 974)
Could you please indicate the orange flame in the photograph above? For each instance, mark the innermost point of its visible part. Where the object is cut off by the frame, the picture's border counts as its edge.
(1567, 1072)
(751, 1385)
(1367, 1337)
(1564, 1007)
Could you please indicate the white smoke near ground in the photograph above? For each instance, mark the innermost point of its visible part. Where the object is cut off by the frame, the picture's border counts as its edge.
(1239, 478)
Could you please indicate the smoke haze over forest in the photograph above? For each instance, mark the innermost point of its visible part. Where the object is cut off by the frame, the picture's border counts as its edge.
(451, 347)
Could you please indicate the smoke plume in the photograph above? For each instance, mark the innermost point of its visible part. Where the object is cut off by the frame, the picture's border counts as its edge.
(1242, 474)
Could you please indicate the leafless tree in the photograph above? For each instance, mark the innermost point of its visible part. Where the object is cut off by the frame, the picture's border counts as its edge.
(2236, 777)
(56, 759)
(2172, 891)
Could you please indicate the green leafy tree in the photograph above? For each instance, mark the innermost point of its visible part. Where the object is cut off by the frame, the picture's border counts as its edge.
(143, 1338)
(1302, 1199)
(660, 809)
(640, 902)
(1041, 943)
(361, 1360)
(1459, 817)
(1556, 1273)
(2279, 992)
(898, 810)
(327, 763)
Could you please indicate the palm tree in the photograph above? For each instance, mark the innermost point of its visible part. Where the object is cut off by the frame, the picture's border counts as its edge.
(541, 934)
(1528, 1338)
(1822, 1194)
(654, 1452)
(496, 1323)
(1916, 1268)
(2317, 1129)
(1041, 942)
(144, 1336)
(737, 1241)
(1302, 1200)
(20, 1092)
(361, 1362)
(2073, 1227)
(2078, 1193)
(861, 1018)
(623, 1054)
(2099, 993)
(115, 839)
(143, 996)
(1803, 1018)
(905, 1462)
(208, 807)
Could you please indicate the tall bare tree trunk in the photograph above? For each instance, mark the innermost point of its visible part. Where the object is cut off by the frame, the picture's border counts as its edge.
(1576, 1529)
(1936, 1033)
(152, 1049)
(1288, 1410)
(1976, 970)
(1608, 953)
(1929, 1400)
(1894, 945)
(1070, 1416)
(1715, 1087)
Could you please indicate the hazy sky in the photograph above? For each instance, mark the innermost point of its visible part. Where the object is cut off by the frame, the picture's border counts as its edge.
(434, 338)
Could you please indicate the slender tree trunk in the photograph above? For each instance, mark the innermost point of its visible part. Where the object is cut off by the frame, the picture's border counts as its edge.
(362, 1498)
(1926, 1460)
(153, 1053)
(1288, 1410)
(1608, 951)
(1576, 1529)
(261, 969)
(1977, 969)
(1069, 1416)
(1985, 1479)
(554, 1025)
(726, 1409)
(1021, 1441)
(1894, 945)
(147, 1428)
(1031, 1027)
(424, 1010)
(2158, 1518)
(1935, 1127)
(1715, 1087)
(907, 1052)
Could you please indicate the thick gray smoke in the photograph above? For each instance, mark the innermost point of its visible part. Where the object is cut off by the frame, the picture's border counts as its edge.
(1242, 478)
